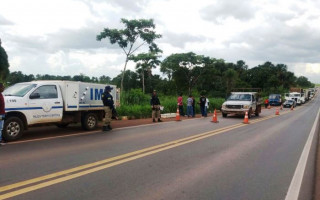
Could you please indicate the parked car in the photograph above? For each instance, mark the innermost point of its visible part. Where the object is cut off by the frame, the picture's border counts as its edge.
(275, 99)
(289, 103)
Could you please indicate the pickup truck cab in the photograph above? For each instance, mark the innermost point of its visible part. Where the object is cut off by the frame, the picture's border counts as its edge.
(52, 102)
(241, 102)
(295, 96)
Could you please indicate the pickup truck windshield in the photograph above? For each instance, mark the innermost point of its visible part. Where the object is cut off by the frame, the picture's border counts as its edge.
(240, 97)
(18, 90)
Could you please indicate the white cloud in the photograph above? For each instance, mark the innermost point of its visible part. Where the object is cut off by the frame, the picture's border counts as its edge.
(59, 37)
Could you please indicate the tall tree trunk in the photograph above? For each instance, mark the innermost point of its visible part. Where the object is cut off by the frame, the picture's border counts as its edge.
(122, 76)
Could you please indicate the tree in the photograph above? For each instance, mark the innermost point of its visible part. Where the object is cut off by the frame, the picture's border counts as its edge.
(135, 31)
(82, 78)
(231, 77)
(303, 82)
(145, 63)
(104, 79)
(184, 68)
(130, 81)
(4, 64)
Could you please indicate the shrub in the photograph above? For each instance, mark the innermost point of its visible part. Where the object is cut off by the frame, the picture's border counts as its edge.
(142, 109)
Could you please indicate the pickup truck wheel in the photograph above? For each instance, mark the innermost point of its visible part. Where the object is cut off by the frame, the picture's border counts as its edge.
(12, 129)
(224, 115)
(89, 121)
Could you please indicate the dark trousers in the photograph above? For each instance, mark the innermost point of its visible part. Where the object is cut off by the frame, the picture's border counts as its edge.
(194, 111)
(181, 110)
(203, 111)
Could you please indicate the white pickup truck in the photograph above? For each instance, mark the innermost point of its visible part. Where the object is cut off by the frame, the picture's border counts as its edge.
(300, 99)
(241, 102)
(52, 102)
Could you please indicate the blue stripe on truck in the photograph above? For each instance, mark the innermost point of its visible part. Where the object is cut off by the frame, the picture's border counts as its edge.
(31, 108)
(91, 106)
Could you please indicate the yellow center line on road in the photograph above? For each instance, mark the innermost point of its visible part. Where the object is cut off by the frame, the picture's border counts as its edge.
(118, 162)
(72, 170)
(107, 163)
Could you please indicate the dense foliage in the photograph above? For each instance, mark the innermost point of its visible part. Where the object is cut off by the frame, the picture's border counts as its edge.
(215, 77)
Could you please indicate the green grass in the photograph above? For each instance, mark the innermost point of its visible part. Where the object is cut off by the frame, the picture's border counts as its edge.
(136, 105)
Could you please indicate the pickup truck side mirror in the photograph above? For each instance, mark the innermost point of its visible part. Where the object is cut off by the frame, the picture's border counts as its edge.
(35, 96)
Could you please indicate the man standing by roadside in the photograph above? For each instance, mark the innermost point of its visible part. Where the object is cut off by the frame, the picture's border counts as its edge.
(207, 107)
(155, 105)
(193, 106)
(189, 106)
(108, 107)
(202, 105)
(2, 113)
(180, 104)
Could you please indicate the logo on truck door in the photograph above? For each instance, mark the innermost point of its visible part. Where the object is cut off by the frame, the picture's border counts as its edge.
(46, 107)
(97, 94)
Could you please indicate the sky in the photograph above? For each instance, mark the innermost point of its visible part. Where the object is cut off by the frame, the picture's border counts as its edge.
(58, 37)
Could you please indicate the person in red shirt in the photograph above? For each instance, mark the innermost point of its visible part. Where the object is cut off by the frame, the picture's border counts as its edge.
(2, 113)
(180, 104)
(266, 103)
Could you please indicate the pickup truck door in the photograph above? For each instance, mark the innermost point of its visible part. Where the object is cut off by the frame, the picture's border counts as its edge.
(46, 104)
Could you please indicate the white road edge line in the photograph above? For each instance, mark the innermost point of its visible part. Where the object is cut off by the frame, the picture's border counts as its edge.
(295, 185)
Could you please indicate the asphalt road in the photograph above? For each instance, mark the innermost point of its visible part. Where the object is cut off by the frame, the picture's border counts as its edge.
(191, 159)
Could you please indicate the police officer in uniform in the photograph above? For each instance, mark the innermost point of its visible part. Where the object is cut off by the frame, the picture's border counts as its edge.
(155, 105)
(108, 107)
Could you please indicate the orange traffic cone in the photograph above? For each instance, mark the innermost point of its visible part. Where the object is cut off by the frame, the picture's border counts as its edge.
(269, 106)
(178, 115)
(281, 107)
(246, 119)
(277, 112)
(215, 118)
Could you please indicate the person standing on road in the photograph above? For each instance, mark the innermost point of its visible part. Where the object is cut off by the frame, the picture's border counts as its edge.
(108, 106)
(193, 106)
(180, 104)
(155, 105)
(266, 103)
(206, 107)
(189, 106)
(203, 105)
(2, 113)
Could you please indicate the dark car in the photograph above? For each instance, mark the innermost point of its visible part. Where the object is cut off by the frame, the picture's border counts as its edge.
(275, 99)
(289, 103)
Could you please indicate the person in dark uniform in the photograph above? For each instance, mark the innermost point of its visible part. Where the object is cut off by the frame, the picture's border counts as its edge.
(108, 107)
(155, 105)
(202, 103)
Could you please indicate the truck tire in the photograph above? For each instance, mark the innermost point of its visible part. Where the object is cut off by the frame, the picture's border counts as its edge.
(12, 129)
(224, 115)
(89, 121)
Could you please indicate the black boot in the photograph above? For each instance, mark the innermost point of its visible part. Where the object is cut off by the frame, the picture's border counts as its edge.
(153, 120)
(105, 128)
(159, 120)
(109, 127)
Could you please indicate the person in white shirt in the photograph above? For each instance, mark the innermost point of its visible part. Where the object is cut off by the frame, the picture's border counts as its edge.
(206, 107)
